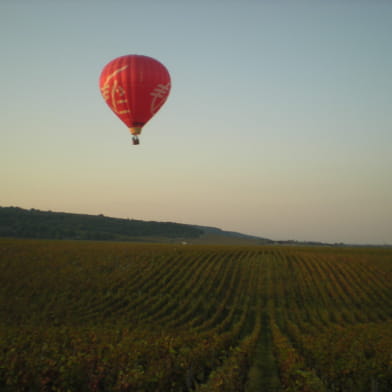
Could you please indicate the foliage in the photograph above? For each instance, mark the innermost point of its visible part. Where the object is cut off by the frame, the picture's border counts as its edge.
(105, 316)
(17, 222)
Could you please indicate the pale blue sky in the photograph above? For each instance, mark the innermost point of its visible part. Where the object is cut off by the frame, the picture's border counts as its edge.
(278, 124)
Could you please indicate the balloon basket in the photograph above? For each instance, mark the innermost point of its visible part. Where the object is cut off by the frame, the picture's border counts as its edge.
(135, 140)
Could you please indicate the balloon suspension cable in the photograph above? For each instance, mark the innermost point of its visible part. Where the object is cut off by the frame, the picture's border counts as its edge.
(135, 140)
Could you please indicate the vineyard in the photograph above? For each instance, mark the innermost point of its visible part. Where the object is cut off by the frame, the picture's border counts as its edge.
(94, 316)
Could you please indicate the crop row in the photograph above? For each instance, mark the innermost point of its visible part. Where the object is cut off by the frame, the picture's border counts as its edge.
(85, 316)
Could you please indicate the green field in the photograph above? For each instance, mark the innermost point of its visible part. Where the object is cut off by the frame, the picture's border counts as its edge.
(95, 316)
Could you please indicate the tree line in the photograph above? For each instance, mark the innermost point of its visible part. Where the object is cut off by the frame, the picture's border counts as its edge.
(22, 223)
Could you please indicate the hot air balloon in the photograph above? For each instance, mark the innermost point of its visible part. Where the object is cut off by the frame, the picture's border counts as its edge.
(135, 87)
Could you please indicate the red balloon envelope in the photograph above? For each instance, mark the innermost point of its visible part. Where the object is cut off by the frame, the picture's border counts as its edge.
(135, 87)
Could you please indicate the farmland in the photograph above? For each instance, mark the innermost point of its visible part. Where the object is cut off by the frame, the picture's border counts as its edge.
(107, 316)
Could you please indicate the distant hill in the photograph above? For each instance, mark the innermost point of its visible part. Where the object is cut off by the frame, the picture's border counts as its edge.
(18, 222)
(21, 223)
(215, 235)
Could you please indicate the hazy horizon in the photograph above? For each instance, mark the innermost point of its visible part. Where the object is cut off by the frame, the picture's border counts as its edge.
(200, 225)
(278, 123)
